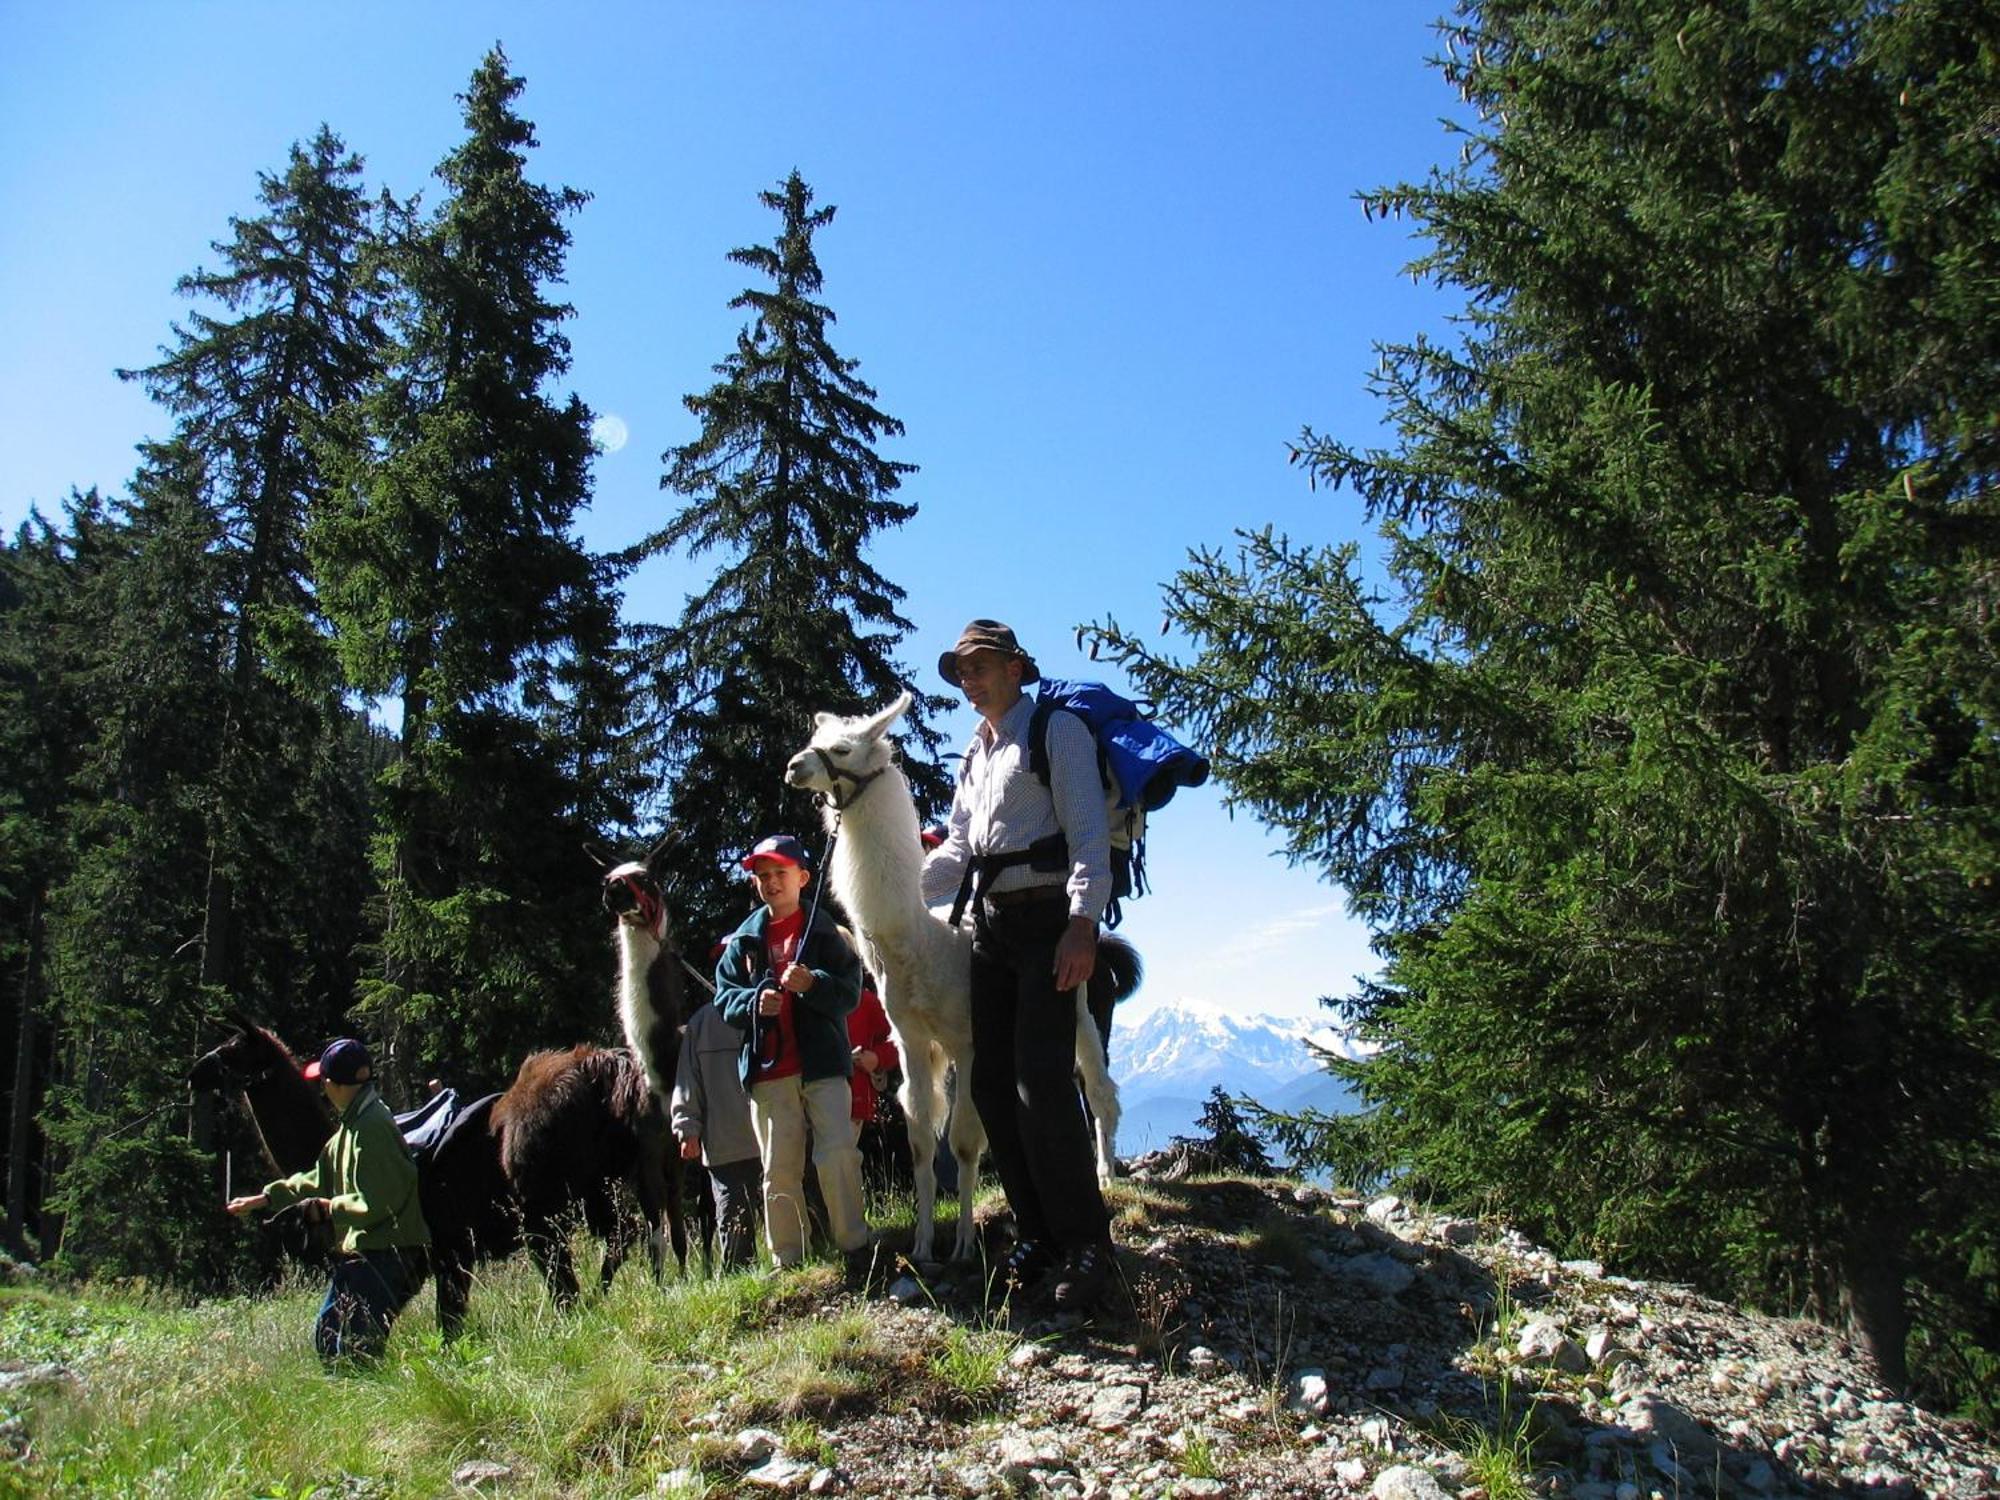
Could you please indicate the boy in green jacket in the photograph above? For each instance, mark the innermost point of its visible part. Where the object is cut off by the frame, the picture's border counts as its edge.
(366, 1184)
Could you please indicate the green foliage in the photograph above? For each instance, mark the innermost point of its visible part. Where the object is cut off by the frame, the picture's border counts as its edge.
(1223, 1134)
(1665, 768)
(784, 481)
(448, 561)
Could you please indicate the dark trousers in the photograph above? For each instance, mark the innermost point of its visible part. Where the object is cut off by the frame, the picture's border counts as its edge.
(363, 1296)
(739, 1194)
(1024, 1075)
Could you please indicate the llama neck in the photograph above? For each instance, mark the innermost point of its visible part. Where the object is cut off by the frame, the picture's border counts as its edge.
(879, 859)
(290, 1122)
(638, 951)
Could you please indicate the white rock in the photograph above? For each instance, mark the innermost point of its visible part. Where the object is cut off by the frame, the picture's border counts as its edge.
(1406, 1482)
(1027, 1356)
(1202, 1360)
(478, 1471)
(1543, 1342)
(755, 1444)
(1385, 1208)
(779, 1473)
(1018, 1455)
(824, 1482)
(1350, 1471)
(1115, 1405)
(1309, 1392)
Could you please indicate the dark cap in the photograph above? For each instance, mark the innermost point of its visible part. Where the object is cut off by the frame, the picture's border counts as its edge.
(986, 635)
(345, 1061)
(782, 847)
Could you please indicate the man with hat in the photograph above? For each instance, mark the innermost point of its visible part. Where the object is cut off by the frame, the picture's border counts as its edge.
(1038, 858)
(366, 1184)
(787, 987)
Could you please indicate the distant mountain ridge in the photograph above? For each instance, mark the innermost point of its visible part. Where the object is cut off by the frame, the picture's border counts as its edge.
(1167, 1063)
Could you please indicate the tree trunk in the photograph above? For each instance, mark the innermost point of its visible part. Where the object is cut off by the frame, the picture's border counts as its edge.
(21, 1117)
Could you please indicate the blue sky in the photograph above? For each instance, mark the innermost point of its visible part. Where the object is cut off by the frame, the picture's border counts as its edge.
(1102, 260)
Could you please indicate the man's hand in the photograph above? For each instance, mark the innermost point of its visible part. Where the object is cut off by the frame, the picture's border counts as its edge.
(797, 978)
(241, 1206)
(866, 1060)
(690, 1148)
(1076, 953)
(315, 1210)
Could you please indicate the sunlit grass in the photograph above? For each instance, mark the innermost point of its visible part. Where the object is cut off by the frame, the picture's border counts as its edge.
(228, 1399)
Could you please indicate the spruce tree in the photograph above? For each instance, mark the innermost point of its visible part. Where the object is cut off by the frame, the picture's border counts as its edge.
(785, 481)
(293, 336)
(449, 563)
(1666, 771)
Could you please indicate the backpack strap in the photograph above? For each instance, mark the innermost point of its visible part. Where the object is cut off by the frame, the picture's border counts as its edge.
(1038, 743)
(1050, 853)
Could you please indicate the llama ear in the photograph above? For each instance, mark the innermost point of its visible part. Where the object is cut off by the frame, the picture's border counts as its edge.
(822, 719)
(596, 855)
(235, 1016)
(668, 838)
(878, 726)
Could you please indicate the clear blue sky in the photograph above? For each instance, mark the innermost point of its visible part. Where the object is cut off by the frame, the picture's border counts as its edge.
(1102, 260)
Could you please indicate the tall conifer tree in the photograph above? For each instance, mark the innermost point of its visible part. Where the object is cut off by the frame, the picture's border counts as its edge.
(785, 480)
(295, 335)
(1668, 773)
(451, 567)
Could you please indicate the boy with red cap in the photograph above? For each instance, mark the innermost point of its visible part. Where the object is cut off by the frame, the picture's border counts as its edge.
(787, 986)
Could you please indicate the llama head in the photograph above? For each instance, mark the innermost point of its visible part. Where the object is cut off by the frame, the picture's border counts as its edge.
(248, 1056)
(845, 754)
(632, 892)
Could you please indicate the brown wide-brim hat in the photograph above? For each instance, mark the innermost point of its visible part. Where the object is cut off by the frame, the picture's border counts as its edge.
(986, 635)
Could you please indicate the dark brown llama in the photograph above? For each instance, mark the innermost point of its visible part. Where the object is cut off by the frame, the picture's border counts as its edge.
(512, 1168)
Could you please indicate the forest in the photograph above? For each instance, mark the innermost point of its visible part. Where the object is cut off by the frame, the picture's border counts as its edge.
(1664, 768)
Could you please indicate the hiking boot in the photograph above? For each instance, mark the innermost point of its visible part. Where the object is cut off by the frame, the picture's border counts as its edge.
(1027, 1263)
(1084, 1272)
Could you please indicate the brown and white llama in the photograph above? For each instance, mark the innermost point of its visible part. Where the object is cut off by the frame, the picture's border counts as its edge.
(652, 993)
(923, 964)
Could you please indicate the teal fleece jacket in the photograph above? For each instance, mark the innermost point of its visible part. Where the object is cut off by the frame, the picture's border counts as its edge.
(365, 1173)
(819, 1015)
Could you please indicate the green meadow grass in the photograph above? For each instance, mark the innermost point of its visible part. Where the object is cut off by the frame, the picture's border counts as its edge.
(227, 1399)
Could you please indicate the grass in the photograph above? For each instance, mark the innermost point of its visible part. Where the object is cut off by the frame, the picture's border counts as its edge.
(969, 1362)
(1499, 1454)
(1199, 1458)
(226, 1399)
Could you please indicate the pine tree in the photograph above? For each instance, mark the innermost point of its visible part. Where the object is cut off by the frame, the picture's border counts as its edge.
(251, 393)
(785, 480)
(1667, 772)
(449, 563)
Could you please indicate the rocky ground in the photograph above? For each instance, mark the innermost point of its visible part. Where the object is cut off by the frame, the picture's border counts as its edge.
(1270, 1340)
(1266, 1339)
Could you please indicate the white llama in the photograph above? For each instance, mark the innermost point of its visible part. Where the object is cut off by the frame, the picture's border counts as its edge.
(922, 963)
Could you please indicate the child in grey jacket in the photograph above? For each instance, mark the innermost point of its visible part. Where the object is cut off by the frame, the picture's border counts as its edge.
(710, 1113)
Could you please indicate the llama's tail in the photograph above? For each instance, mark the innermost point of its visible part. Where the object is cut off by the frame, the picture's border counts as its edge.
(1119, 967)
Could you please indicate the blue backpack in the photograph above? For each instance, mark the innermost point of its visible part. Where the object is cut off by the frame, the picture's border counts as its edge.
(1139, 761)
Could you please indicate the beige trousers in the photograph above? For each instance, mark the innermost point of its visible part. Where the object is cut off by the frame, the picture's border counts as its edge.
(781, 1111)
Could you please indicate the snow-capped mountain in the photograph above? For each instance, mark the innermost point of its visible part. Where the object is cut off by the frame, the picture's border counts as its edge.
(1167, 1062)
